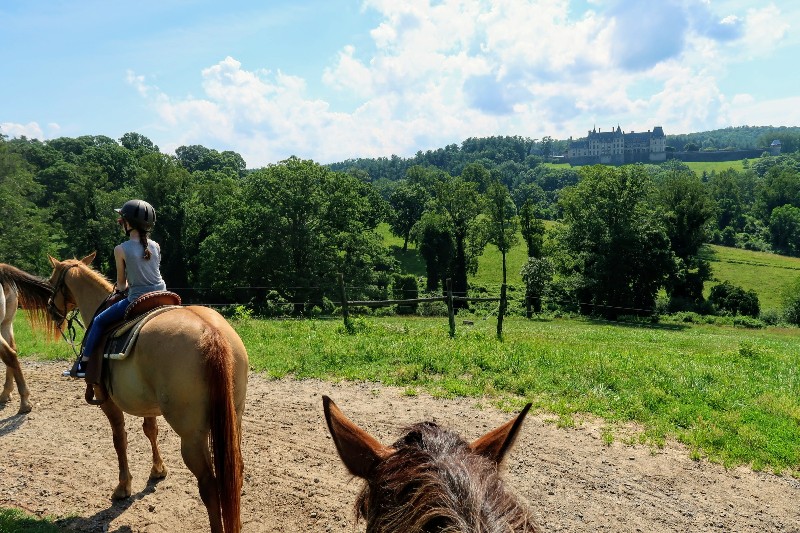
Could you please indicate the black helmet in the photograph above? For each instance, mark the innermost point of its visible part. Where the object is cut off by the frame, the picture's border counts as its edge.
(139, 214)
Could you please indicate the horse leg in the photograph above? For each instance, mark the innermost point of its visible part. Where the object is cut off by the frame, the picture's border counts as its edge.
(150, 427)
(8, 354)
(196, 455)
(117, 420)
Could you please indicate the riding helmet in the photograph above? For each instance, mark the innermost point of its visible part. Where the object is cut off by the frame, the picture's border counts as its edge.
(139, 214)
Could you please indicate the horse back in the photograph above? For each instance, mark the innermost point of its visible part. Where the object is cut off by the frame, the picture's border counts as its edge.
(167, 369)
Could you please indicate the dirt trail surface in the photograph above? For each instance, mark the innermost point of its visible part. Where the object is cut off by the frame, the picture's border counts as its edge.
(59, 461)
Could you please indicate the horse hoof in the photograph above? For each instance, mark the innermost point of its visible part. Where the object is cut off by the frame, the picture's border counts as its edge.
(25, 408)
(157, 474)
(121, 492)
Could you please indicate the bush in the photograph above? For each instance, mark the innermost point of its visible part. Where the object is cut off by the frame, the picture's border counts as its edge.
(791, 302)
(732, 299)
(404, 287)
(432, 309)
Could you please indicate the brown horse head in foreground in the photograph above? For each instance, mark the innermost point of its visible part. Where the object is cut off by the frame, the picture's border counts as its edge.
(431, 480)
(188, 366)
(18, 288)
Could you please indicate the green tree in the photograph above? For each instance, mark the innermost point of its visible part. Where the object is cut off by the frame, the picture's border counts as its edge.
(537, 273)
(408, 203)
(784, 230)
(614, 248)
(434, 239)
(294, 227)
(25, 237)
(687, 209)
(503, 223)
(459, 201)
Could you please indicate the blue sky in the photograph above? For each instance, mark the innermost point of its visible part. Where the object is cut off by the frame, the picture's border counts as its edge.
(330, 79)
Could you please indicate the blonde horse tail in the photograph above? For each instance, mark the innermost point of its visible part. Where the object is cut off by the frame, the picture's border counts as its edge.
(225, 428)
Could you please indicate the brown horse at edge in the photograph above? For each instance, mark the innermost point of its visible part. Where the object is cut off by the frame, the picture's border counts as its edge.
(189, 366)
(431, 480)
(18, 288)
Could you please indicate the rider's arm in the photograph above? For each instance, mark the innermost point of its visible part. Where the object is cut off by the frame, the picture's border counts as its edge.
(119, 258)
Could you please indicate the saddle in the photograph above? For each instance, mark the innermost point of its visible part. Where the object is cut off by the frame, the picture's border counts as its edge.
(120, 338)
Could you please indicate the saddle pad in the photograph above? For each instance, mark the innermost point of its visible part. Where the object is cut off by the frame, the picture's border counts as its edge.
(122, 339)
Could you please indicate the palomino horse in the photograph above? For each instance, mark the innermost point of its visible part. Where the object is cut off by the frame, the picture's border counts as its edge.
(431, 479)
(18, 288)
(188, 365)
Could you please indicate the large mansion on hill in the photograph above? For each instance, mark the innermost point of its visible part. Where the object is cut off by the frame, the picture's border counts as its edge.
(618, 148)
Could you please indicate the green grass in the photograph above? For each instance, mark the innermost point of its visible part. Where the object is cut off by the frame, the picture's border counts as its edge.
(17, 521)
(715, 166)
(731, 395)
(767, 274)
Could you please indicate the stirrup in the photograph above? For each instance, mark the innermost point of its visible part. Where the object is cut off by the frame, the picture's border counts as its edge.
(78, 369)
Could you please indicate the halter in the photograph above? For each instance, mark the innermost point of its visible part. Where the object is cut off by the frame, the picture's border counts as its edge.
(60, 317)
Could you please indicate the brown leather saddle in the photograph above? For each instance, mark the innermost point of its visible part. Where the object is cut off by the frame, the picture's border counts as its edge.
(122, 336)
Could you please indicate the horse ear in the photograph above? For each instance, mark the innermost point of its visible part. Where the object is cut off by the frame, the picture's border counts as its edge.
(359, 450)
(53, 260)
(89, 258)
(495, 444)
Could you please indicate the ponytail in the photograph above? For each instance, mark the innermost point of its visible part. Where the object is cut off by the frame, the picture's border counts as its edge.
(143, 240)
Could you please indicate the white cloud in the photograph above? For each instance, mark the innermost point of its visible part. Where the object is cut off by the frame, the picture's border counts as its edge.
(31, 130)
(441, 73)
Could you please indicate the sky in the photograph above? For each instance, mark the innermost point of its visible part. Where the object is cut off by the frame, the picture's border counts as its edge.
(331, 80)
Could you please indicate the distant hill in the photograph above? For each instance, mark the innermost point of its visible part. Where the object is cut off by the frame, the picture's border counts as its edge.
(492, 151)
(739, 137)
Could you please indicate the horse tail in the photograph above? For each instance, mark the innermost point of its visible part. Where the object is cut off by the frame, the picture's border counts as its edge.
(225, 428)
(33, 294)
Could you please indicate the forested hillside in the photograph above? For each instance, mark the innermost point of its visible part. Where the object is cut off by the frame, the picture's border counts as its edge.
(277, 238)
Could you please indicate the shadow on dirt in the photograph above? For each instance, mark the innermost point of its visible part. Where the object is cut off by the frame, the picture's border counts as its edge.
(99, 522)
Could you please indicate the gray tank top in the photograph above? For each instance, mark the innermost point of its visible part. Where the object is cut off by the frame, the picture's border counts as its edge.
(144, 275)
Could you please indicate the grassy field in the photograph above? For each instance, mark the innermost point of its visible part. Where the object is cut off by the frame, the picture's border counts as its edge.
(730, 394)
(767, 274)
(714, 166)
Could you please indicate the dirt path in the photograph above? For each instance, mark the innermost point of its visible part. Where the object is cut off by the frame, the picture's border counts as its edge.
(59, 461)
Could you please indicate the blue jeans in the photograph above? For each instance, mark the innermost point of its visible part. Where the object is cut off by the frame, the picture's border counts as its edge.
(100, 324)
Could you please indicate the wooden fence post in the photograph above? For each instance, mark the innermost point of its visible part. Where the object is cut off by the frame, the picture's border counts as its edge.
(450, 313)
(345, 312)
(502, 311)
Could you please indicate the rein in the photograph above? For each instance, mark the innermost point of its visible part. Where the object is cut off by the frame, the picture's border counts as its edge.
(70, 317)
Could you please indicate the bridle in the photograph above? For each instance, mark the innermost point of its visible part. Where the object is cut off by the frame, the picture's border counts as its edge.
(59, 317)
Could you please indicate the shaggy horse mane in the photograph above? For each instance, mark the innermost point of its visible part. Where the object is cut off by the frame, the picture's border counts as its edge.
(434, 482)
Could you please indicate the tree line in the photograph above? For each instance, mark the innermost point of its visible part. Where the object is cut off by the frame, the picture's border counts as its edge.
(285, 231)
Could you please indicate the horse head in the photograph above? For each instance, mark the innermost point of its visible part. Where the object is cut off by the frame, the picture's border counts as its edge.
(431, 479)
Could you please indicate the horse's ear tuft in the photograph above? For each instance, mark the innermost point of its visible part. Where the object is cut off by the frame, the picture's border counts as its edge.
(360, 452)
(53, 260)
(495, 444)
(89, 258)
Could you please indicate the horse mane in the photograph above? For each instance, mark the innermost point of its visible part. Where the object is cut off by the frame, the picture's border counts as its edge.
(33, 293)
(93, 274)
(435, 482)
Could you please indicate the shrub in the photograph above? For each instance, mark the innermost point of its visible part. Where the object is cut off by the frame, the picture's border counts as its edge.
(791, 302)
(732, 299)
(404, 287)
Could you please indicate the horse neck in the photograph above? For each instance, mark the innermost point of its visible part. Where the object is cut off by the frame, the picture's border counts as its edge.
(89, 295)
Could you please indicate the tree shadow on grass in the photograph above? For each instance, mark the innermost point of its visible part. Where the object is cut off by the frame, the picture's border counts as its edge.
(638, 325)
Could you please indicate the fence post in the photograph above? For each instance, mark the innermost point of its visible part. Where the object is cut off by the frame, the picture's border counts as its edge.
(502, 311)
(450, 313)
(345, 312)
